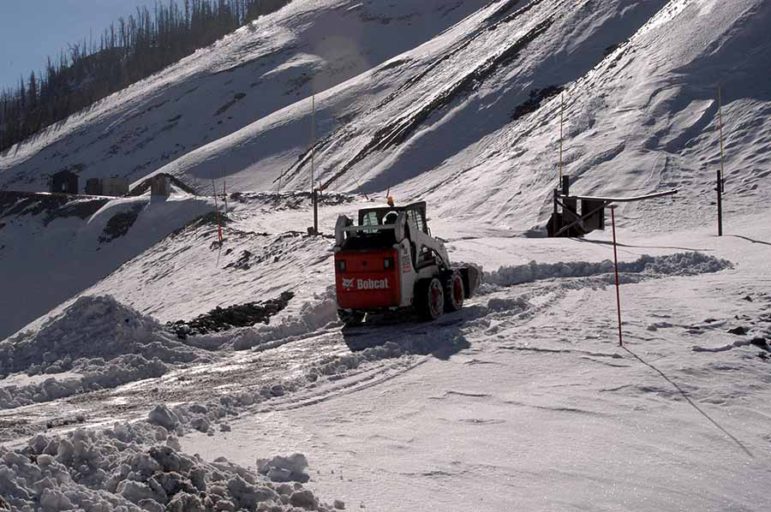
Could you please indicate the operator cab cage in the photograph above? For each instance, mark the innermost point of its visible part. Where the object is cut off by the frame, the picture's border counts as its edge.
(383, 227)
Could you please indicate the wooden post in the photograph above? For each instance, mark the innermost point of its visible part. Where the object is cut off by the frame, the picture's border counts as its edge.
(217, 214)
(315, 211)
(618, 285)
(225, 195)
(719, 189)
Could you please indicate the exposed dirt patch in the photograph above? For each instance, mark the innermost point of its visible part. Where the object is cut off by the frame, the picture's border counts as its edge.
(119, 224)
(534, 102)
(224, 108)
(54, 206)
(223, 319)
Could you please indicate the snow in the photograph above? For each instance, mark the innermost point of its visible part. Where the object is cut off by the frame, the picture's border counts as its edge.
(675, 264)
(64, 253)
(277, 60)
(542, 409)
(523, 400)
(131, 467)
(95, 343)
(285, 469)
(516, 396)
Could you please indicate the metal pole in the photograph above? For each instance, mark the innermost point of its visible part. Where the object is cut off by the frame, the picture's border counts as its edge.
(314, 191)
(557, 225)
(562, 121)
(313, 143)
(721, 172)
(615, 261)
(720, 122)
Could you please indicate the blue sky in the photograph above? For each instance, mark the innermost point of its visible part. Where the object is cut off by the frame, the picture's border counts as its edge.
(32, 30)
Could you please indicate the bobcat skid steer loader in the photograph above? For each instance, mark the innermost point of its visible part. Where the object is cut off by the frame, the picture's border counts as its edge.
(390, 262)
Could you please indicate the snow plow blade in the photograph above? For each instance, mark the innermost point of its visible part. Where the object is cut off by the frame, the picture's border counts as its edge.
(472, 278)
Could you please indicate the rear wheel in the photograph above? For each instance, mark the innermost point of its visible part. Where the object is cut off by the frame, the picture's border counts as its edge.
(429, 298)
(454, 293)
(350, 318)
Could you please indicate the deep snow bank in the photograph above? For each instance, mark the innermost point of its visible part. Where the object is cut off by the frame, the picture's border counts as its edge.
(679, 264)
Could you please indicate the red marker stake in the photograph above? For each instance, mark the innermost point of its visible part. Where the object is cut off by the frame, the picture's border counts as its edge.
(615, 259)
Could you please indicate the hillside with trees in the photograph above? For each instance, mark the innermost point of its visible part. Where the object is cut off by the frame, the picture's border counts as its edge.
(128, 51)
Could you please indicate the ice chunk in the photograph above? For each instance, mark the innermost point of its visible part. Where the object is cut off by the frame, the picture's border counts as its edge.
(285, 469)
(164, 417)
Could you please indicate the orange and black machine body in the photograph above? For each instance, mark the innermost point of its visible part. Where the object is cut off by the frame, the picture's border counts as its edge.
(374, 259)
(368, 279)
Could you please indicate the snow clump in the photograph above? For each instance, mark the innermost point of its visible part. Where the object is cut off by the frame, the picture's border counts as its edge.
(134, 467)
(285, 469)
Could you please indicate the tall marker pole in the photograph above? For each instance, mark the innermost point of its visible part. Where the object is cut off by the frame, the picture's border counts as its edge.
(615, 261)
(562, 122)
(719, 186)
(314, 192)
(313, 142)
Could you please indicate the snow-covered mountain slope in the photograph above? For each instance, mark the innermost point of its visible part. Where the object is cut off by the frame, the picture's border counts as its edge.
(306, 47)
(473, 112)
(450, 118)
(54, 247)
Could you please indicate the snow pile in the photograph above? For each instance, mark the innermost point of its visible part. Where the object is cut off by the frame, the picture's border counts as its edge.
(679, 264)
(312, 315)
(133, 467)
(200, 417)
(103, 341)
(91, 328)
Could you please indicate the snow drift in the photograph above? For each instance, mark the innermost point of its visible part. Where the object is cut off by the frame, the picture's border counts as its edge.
(679, 264)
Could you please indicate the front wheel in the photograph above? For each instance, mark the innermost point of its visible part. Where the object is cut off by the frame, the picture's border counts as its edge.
(350, 318)
(429, 298)
(454, 293)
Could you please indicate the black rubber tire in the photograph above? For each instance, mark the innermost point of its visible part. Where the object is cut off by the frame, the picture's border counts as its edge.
(454, 292)
(351, 318)
(429, 298)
